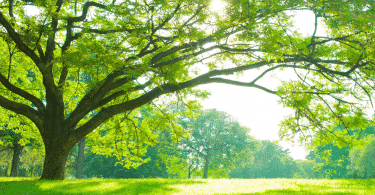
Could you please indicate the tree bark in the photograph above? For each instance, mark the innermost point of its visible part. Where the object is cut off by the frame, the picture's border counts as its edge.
(81, 158)
(55, 160)
(205, 172)
(6, 172)
(189, 171)
(17, 149)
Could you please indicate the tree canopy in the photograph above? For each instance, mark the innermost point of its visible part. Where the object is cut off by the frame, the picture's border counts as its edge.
(152, 53)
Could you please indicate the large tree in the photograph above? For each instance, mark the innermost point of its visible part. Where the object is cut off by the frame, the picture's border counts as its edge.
(141, 52)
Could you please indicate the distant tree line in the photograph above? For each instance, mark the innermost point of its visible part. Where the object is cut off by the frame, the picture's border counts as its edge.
(217, 147)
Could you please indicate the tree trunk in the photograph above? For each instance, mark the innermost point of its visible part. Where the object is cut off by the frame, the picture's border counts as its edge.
(205, 173)
(17, 149)
(32, 171)
(189, 171)
(55, 161)
(6, 171)
(80, 158)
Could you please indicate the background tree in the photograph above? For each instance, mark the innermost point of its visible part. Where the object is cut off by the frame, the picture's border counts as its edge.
(16, 138)
(101, 165)
(270, 161)
(289, 167)
(5, 160)
(175, 159)
(81, 158)
(216, 140)
(107, 167)
(363, 161)
(146, 54)
(354, 155)
(332, 161)
(305, 170)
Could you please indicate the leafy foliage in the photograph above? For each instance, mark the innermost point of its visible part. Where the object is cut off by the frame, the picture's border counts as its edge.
(270, 161)
(363, 161)
(305, 170)
(346, 162)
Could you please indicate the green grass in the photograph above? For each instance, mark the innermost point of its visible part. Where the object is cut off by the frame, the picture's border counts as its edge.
(19, 186)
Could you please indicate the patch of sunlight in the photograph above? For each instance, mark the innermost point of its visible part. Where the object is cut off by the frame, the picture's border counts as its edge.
(18, 178)
(103, 187)
(214, 186)
(78, 186)
(217, 5)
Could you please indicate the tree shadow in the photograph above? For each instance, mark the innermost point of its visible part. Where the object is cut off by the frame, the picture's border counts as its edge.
(95, 186)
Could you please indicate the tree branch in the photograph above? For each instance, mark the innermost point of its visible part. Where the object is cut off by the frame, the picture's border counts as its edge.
(242, 84)
(11, 8)
(39, 104)
(191, 46)
(24, 110)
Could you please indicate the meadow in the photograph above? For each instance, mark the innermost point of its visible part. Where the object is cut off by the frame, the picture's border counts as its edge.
(22, 186)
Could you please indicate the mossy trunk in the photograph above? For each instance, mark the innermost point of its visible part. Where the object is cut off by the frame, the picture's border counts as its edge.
(55, 160)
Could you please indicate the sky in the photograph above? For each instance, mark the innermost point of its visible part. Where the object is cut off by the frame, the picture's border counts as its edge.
(255, 108)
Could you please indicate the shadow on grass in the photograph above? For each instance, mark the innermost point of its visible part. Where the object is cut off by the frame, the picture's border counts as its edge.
(94, 186)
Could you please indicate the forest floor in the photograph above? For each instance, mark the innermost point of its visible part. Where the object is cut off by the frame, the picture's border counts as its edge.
(188, 186)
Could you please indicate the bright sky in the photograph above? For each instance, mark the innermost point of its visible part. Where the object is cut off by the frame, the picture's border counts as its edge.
(255, 108)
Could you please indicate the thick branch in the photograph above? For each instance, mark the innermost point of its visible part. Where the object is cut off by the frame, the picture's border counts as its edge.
(91, 99)
(120, 93)
(39, 104)
(22, 109)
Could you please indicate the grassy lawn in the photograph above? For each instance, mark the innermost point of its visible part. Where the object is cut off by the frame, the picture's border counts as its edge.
(180, 186)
